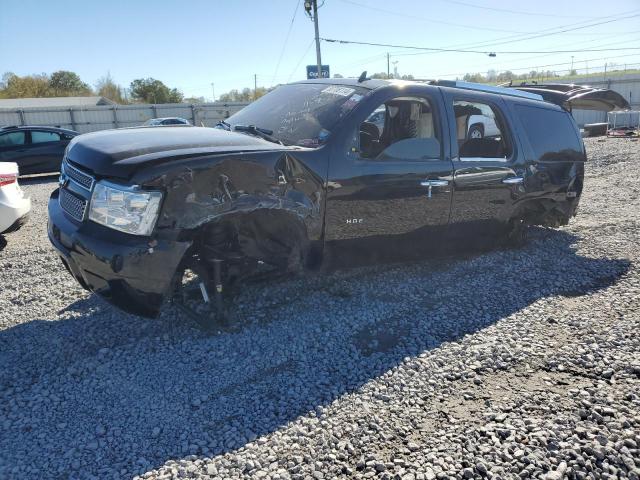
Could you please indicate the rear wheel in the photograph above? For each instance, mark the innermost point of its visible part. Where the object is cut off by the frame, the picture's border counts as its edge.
(476, 131)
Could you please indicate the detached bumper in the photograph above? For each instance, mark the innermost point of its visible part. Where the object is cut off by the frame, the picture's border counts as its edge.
(122, 268)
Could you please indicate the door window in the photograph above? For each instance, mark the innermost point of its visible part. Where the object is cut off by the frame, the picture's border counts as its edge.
(11, 139)
(404, 128)
(38, 136)
(480, 131)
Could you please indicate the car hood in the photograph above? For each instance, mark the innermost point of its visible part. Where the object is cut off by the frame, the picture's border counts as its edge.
(119, 153)
(581, 97)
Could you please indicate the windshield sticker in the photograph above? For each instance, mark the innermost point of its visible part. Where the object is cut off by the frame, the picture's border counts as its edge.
(342, 91)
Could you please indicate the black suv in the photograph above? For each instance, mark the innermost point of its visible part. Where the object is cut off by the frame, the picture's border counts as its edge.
(35, 149)
(302, 178)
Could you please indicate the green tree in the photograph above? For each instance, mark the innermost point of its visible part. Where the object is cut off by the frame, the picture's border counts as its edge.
(150, 90)
(194, 100)
(67, 84)
(108, 88)
(14, 86)
(246, 95)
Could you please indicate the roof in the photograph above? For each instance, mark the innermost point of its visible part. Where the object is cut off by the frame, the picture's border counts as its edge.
(39, 127)
(54, 102)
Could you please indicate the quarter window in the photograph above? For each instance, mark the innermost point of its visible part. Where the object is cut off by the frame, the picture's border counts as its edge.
(549, 131)
(479, 131)
(404, 128)
(38, 136)
(12, 138)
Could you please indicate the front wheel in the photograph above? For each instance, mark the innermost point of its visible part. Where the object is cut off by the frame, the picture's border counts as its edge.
(517, 233)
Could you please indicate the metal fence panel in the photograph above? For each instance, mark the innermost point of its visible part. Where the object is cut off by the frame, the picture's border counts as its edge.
(90, 119)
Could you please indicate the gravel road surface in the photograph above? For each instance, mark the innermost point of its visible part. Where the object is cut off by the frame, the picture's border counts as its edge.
(521, 363)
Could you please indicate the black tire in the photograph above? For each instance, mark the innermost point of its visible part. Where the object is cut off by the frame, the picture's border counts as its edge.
(517, 233)
(476, 131)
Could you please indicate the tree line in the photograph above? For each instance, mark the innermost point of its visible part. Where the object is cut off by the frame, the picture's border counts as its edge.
(64, 83)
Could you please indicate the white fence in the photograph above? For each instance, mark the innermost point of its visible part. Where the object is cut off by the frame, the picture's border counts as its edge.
(89, 119)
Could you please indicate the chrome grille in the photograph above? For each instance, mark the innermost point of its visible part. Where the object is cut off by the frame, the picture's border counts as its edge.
(73, 205)
(78, 176)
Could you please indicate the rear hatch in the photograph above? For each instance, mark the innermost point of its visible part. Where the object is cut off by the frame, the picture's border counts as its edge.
(582, 97)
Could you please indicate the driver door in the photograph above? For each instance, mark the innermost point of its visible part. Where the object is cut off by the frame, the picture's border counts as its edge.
(389, 193)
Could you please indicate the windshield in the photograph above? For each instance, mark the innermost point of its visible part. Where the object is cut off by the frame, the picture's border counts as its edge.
(300, 114)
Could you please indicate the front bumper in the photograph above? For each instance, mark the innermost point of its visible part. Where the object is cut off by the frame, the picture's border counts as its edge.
(122, 268)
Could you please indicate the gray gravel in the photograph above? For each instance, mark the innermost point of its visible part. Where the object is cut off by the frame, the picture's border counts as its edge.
(512, 364)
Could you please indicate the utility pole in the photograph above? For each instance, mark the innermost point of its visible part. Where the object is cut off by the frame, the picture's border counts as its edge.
(571, 65)
(315, 25)
(388, 71)
(395, 68)
(213, 92)
(311, 7)
(255, 86)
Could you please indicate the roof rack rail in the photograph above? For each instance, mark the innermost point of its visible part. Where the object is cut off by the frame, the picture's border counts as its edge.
(479, 87)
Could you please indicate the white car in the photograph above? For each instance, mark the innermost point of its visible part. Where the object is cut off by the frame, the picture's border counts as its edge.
(14, 206)
(484, 125)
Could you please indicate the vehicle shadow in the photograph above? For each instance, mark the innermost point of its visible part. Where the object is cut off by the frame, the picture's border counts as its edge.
(98, 387)
(38, 179)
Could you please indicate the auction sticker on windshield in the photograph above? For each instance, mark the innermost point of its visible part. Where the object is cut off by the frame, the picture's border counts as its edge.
(342, 91)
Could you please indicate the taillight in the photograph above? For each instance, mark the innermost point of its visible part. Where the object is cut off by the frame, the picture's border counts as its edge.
(8, 178)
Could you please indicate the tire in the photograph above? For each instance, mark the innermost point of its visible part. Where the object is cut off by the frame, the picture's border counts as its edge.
(517, 234)
(476, 131)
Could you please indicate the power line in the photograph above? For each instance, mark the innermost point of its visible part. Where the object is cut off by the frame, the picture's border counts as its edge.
(519, 12)
(484, 52)
(520, 36)
(546, 33)
(536, 66)
(301, 59)
(286, 40)
(429, 20)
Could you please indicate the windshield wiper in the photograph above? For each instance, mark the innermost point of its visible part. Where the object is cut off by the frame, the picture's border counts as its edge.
(224, 125)
(263, 133)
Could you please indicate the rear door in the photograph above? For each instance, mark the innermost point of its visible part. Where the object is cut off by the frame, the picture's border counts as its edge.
(488, 168)
(13, 146)
(389, 184)
(45, 152)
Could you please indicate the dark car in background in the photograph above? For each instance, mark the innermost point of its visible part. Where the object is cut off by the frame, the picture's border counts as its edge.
(35, 149)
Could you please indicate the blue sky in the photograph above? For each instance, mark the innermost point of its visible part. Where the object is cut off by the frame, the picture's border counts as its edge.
(190, 44)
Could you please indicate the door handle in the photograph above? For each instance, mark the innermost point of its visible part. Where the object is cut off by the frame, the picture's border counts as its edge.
(513, 181)
(433, 183)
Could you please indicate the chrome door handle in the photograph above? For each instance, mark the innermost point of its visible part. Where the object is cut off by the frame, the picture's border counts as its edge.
(433, 183)
(513, 181)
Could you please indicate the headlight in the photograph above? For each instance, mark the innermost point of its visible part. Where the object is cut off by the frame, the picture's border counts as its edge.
(127, 210)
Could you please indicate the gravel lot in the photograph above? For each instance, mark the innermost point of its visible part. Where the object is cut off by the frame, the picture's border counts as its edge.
(511, 364)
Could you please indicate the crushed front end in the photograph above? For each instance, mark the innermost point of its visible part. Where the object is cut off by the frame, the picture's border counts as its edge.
(126, 265)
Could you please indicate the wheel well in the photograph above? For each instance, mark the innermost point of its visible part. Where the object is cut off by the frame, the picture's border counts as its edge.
(262, 240)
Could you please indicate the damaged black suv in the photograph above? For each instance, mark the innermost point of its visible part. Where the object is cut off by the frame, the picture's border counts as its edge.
(316, 173)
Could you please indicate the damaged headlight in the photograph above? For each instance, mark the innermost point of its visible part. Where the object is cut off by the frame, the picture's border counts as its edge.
(128, 210)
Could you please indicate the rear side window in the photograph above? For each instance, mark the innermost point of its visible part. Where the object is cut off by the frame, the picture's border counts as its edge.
(550, 131)
(12, 138)
(43, 137)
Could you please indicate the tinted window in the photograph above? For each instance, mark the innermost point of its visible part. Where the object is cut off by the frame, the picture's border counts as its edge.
(403, 128)
(12, 138)
(549, 131)
(43, 137)
(479, 131)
